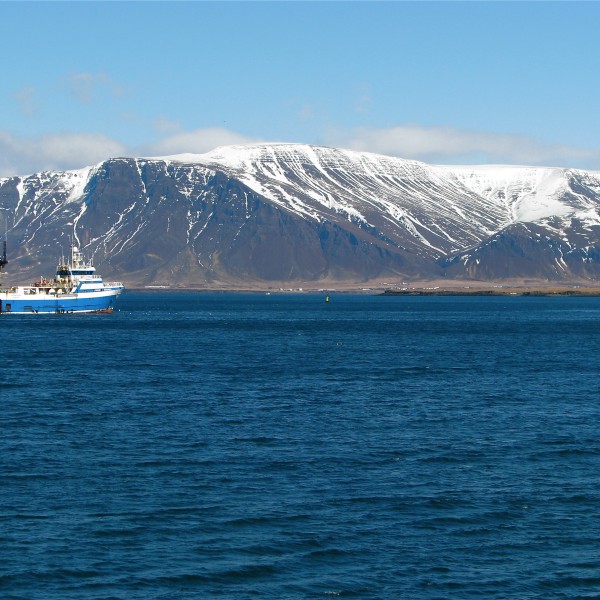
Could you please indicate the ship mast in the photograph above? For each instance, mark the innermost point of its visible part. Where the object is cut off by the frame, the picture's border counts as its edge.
(3, 260)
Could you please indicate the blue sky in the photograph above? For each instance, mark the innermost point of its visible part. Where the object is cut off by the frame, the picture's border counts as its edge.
(443, 82)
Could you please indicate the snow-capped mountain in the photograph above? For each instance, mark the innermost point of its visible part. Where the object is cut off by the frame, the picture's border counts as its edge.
(291, 212)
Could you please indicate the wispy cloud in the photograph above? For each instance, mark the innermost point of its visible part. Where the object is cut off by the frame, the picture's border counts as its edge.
(447, 144)
(27, 100)
(22, 156)
(86, 87)
(363, 99)
(306, 112)
(165, 125)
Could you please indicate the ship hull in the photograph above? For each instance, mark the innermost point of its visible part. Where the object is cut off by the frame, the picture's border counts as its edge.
(18, 303)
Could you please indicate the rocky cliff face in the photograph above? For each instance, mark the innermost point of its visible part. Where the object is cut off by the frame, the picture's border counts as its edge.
(281, 213)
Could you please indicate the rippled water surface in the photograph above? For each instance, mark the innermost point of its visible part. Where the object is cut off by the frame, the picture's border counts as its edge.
(239, 446)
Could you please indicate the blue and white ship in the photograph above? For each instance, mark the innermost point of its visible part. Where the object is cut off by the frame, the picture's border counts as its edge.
(76, 288)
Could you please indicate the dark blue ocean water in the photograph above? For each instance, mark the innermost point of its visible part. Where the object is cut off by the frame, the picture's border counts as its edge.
(241, 446)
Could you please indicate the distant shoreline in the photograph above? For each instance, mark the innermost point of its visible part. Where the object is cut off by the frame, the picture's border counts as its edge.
(379, 291)
(506, 292)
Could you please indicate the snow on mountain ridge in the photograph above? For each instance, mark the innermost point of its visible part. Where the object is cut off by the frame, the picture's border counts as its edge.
(530, 194)
(372, 189)
(524, 193)
(240, 157)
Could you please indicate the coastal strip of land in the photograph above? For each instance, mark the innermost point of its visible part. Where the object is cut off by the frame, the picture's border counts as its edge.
(493, 292)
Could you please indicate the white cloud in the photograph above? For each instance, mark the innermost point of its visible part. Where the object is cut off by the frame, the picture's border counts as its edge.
(23, 156)
(446, 144)
(435, 145)
(195, 142)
